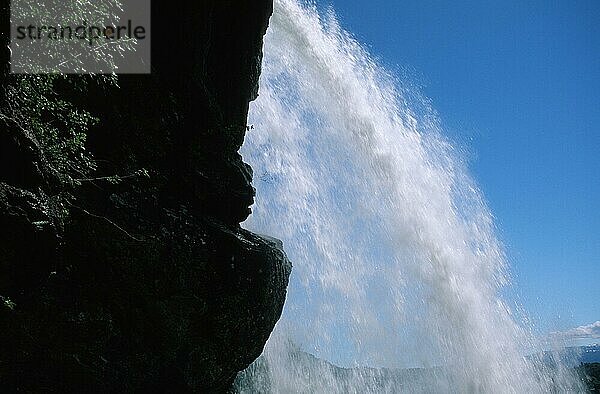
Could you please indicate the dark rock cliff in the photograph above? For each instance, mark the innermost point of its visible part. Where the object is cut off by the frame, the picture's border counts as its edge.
(136, 276)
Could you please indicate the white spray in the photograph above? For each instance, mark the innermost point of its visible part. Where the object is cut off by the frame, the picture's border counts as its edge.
(396, 262)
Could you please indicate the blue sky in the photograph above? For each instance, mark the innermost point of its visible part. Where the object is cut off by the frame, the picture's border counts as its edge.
(517, 84)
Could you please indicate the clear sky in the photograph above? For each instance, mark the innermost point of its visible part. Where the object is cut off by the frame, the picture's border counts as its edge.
(517, 83)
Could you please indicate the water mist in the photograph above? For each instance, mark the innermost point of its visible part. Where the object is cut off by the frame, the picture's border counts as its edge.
(396, 261)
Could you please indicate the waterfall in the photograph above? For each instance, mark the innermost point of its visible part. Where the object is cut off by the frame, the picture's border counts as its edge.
(396, 261)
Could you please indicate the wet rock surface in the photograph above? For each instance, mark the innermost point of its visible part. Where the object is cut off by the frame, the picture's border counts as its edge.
(145, 282)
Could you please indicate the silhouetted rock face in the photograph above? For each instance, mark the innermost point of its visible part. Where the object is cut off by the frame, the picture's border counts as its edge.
(148, 284)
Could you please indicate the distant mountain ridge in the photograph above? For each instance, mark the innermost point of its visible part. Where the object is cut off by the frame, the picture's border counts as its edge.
(317, 375)
(590, 354)
(575, 355)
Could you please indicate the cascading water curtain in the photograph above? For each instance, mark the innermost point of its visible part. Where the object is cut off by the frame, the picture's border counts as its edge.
(396, 262)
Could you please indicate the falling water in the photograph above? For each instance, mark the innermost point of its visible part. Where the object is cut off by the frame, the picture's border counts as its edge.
(396, 262)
